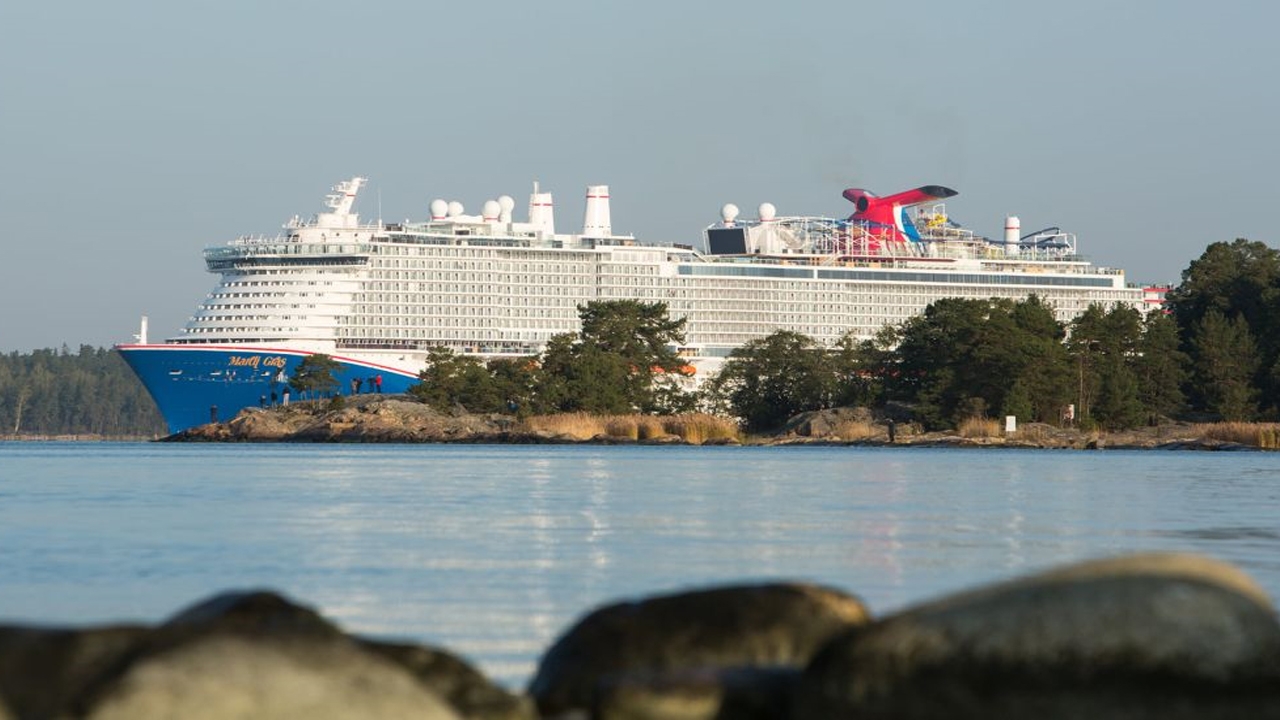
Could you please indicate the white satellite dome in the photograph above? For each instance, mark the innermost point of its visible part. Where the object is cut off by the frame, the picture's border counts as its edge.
(506, 203)
(768, 211)
(491, 210)
(439, 208)
(729, 212)
(455, 209)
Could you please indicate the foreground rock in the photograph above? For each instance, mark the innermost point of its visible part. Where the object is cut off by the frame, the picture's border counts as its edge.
(1146, 636)
(682, 652)
(1161, 636)
(43, 669)
(238, 655)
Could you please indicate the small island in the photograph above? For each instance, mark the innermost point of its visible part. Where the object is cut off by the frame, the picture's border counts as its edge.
(405, 419)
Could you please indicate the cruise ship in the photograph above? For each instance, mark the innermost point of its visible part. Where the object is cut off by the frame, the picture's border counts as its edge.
(378, 296)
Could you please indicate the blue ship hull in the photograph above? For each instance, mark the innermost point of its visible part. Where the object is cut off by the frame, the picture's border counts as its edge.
(193, 384)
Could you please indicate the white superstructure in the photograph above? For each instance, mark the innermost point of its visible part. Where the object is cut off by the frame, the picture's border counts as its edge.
(486, 284)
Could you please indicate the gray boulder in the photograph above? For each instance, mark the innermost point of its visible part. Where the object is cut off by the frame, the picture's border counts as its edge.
(822, 423)
(626, 645)
(256, 654)
(247, 654)
(741, 693)
(42, 668)
(459, 684)
(231, 676)
(1147, 636)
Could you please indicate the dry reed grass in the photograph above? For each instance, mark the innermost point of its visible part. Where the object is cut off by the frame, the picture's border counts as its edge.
(980, 428)
(578, 425)
(693, 428)
(1261, 435)
(698, 428)
(858, 430)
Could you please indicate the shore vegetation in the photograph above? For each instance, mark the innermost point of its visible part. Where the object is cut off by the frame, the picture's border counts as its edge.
(692, 428)
(85, 392)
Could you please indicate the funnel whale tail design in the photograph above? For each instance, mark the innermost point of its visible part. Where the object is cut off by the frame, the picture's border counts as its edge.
(886, 217)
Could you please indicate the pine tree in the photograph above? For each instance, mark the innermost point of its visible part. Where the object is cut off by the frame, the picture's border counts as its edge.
(314, 376)
(1226, 362)
(767, 381)
(613, 364)
(1239, 281)
(1160, 367)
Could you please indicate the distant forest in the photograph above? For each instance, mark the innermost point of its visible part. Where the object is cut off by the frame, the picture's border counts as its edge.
(60, 392)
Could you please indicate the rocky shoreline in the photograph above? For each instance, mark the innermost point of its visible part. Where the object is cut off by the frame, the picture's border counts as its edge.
(1144, 636)
(400, 419)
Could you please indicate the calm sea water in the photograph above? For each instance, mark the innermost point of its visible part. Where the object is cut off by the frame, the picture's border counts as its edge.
(492, 551)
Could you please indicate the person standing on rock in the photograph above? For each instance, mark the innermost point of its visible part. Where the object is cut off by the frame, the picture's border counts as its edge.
(355, 386)
(377, 383)
(286, 396)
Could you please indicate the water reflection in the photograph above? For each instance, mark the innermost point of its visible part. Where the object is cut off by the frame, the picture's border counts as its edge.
(1225, 533)
(494, 551)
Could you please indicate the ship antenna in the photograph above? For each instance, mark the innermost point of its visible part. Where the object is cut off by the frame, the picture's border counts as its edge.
(379, 207)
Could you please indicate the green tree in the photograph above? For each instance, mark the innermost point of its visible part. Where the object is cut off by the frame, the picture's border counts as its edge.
(860, 367)
(1160, 367)
(1017, 401)
(514, 381)
(450, 379)
(1239, 280)
(1104, 345)
(638, 331)
(963, 356)
(622, 361)
(767, 381)
(1226, 361)
(314, 376)
(578, 376)
(937, 363)
(1041, 364)
(1118, 405)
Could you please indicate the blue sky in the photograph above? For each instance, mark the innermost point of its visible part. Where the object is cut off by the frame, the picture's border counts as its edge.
(134, 134)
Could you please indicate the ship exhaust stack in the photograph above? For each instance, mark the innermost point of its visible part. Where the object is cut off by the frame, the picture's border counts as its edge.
(1012, 233)
(595, 221)
(542, 211)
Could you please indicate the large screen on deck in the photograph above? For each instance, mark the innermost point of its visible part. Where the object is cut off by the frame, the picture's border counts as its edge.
(727, 241)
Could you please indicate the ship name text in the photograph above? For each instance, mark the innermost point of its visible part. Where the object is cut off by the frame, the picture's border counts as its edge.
(256, 361)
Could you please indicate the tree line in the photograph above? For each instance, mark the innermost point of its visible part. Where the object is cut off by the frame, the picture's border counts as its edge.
(60, 392)
(966, 358)
(1212, 353)
(961, 358)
